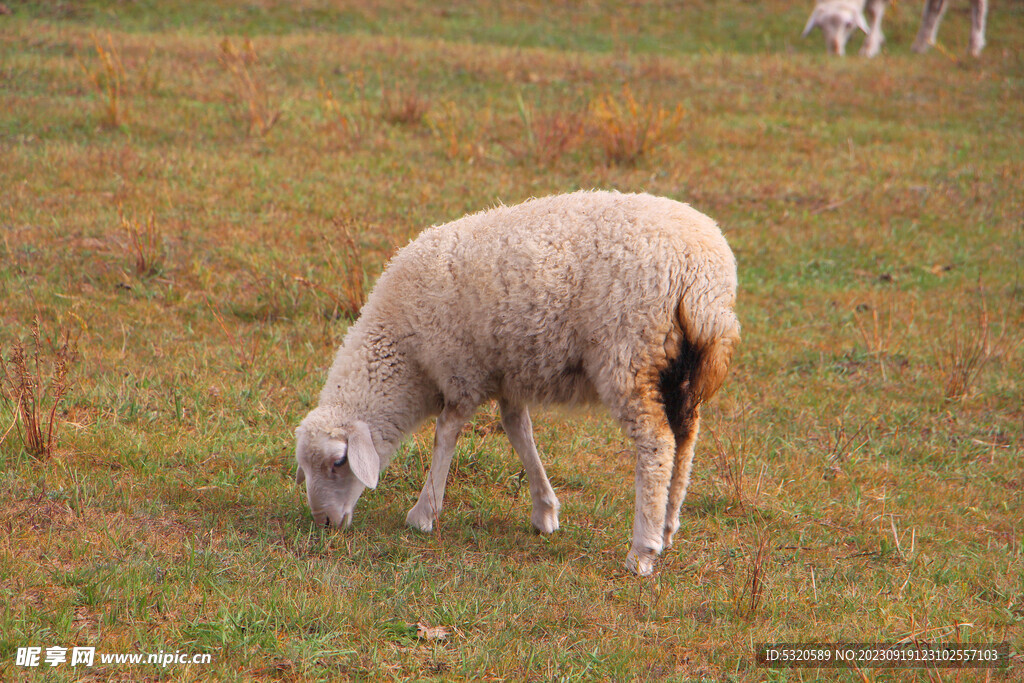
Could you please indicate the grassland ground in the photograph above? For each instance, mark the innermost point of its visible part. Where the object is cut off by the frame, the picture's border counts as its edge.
(196, 194)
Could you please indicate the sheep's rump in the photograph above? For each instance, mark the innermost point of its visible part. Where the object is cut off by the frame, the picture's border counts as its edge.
(563, 299)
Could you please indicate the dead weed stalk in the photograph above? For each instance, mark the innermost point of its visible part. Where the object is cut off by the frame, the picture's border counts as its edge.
(403, 106)
(626, 129)
(548, 137)
(250, 93)
(353, 127)
(33, 387)
(145, 243)
(453, 128)
(879, 330)
(840, 446)
(107, 79)
(348, 297)
(246, 351)
(748, 597)
(971, 345)
(729, 460)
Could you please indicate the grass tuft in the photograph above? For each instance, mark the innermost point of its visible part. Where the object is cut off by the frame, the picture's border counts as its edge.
(881, 330)
(626, 129)
(404, 106)
(971, 345)
(550, 136)
(32, 388)
(749, 596)
(107, 79)
(345, 297)
(248, 90)
(145, 243)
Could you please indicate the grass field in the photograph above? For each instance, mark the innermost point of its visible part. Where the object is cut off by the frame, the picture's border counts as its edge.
(194, 195)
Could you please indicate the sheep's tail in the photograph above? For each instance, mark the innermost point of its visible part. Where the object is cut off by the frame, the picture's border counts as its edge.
(711, 334)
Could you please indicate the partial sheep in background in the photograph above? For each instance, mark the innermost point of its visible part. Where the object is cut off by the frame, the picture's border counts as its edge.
(839, 19)
(933, 11)
(622, 299)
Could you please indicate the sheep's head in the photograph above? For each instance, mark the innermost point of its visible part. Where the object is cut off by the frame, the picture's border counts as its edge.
(837, 21)
(337, 466)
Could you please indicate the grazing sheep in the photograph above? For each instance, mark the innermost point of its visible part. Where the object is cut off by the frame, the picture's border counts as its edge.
(626, 299)
(838, 20)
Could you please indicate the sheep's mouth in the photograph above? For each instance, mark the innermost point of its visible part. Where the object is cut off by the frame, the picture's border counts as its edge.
(326, 520)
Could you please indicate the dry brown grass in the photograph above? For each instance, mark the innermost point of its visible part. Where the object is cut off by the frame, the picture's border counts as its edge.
(35, 382)
(404, 106)
(107, 79)
(626, 129)
(972, 343)
(145, 243)
(346, 289)
(549, 136)
(249, 91)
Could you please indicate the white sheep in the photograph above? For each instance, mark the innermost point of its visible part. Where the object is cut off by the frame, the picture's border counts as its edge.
(626, 299)
(839, 19)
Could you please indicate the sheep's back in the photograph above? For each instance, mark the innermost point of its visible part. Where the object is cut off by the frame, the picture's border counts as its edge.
(539, 301)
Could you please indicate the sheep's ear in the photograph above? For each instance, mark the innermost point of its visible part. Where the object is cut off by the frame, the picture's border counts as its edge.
(362, 456)
(811, 23)
(862, 23)
(300, 474)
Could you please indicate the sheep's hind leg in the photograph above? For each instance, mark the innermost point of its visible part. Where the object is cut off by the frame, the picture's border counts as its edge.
(686, 439)
(656, 448)
(933, 11)
(515, 419)
(446, 433)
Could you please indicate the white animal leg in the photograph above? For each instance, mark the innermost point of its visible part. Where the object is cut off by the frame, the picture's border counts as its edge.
(685, 443)
(446, 433)
(933, 11)
(656, 449)
(873, 43)
(979, 11)
(515, 419)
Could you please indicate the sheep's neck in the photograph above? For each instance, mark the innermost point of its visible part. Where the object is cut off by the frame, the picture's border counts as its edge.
(375, 383)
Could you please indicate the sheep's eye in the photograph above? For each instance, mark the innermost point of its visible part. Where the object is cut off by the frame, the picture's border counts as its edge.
(341, 461)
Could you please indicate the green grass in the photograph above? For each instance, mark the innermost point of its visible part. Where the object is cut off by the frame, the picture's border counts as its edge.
(875, 211)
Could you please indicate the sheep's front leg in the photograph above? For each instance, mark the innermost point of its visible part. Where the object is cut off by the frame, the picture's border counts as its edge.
(515, 419)
(656, 448)
(446, 433)
(933, 11)
(873, 43)
(686, 439)
(979, 11)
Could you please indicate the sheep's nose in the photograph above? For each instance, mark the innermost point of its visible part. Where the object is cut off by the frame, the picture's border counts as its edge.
(320, 519)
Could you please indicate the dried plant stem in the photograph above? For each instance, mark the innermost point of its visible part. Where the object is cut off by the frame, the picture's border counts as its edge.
(970, 348)
(627, 129)
(23, 389)
(145, 242)
(730, 469)
(108, 82)
(248, 89)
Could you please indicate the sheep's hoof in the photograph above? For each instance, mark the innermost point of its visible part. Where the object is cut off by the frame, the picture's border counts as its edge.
(641, 564)
(417, 520)
(670, 532)
(545, 521)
